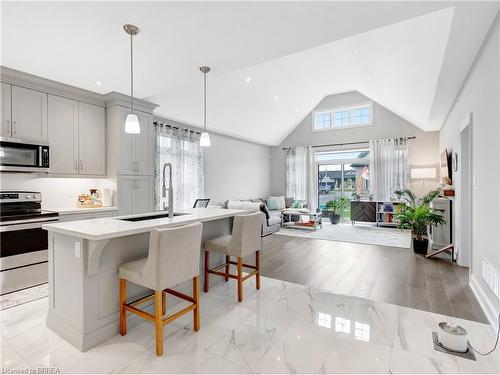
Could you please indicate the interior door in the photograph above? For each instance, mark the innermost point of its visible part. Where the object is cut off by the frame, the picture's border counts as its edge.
(29, 114)
(63, 125)
(5, 111)
(91, 139)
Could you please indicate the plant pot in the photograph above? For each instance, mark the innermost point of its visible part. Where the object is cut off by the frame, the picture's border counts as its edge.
(334, 218)
(420, 246)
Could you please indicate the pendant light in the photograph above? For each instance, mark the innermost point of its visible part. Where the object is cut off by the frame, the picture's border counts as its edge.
(205, 137)
(132, 125)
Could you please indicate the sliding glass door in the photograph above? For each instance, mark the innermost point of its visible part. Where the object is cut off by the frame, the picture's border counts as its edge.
(342, 174)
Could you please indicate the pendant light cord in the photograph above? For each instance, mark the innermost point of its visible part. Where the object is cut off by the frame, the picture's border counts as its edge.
(131, 73)
(205, 101)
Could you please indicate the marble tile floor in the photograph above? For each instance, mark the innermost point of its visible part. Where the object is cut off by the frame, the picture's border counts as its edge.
(283, 328)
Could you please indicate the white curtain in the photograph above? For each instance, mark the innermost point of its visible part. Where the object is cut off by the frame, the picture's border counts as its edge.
(181, 147)
(296, 173)
(389, 167)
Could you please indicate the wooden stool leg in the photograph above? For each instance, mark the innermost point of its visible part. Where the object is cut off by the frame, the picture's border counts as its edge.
(240, 279)
(123, 301)
(228, 258)
(196, 297)
(207, 266)
(159, 322)
(163, 303)
(257, 266)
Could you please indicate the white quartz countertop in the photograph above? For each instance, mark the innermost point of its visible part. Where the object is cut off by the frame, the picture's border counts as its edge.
(77, 210)
(112, 227)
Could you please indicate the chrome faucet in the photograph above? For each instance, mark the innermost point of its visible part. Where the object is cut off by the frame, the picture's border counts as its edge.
(170, 207)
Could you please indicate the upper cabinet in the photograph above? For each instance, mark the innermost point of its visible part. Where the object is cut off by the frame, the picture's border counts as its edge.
(5, 111)
(23, 114)
(91, 139)
(76, 137)
(29, 115)
(130, 154)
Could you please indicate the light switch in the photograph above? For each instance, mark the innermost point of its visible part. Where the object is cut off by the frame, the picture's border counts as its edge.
(77, 250)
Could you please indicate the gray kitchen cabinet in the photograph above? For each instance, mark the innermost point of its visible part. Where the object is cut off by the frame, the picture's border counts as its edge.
(5, 111)
(76, 137)
(29, 115)
(135, 194)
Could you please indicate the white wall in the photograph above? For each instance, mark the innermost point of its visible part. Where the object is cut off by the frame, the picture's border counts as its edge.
(480, 96)
(57, 192)
(423, 149)
(236, 169)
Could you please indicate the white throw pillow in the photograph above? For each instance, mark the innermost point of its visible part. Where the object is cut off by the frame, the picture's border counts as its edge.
(238, 205)
(281, 202)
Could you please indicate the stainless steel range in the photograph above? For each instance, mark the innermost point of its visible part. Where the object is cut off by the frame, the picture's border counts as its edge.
(23, 242)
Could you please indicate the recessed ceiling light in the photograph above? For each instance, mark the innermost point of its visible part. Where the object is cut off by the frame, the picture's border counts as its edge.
(368, 79)
(276, 97)
(296, 109)
(98, 83)
(248, 79)
(356, 51)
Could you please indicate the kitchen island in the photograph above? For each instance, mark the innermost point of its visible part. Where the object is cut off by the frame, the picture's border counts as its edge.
(84, 257)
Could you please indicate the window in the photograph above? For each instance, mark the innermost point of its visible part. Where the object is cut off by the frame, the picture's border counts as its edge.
(345, 117)
(342, 118)
(361, 116)
(323, 120)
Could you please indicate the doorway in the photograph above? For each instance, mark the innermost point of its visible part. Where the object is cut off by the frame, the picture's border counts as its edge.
(465, 194)
(341, 174)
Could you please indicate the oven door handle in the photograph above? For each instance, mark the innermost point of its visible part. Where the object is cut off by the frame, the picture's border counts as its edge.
(32, 225)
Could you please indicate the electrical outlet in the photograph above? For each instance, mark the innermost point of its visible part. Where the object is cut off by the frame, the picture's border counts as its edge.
(77, 250)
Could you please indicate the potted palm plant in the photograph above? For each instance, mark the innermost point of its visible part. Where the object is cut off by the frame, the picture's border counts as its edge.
(417, 215)
(335, 208)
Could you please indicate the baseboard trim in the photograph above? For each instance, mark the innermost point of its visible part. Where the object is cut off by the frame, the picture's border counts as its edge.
(490, 310)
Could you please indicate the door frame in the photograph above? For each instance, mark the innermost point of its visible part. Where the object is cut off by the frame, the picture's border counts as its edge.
(465, 202)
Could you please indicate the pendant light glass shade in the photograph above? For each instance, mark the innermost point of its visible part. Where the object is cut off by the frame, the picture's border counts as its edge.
(132, 125)
(205, 139)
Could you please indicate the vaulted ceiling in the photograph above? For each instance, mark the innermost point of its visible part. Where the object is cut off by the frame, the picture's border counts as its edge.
(272, 62)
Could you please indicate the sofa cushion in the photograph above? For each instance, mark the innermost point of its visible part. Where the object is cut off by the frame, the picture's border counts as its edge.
(281, 201)
(272, 204)
(239, 205)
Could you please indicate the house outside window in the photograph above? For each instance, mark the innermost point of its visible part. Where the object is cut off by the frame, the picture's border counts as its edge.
(343, 117)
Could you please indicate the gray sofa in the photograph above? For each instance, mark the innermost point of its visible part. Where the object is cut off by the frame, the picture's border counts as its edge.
(269, 225)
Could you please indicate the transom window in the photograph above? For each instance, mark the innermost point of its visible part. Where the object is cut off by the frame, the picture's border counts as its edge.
(323, 120)
(345, 117)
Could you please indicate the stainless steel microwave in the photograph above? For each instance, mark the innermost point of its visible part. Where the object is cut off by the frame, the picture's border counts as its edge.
(23, 157)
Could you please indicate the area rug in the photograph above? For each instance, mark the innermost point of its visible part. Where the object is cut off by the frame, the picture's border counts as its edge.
(23, 296)
(359, 233)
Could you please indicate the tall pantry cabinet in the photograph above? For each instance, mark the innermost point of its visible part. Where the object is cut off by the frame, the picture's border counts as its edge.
(130, 157)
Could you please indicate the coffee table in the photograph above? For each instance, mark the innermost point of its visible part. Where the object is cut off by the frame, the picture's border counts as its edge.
(315, 217)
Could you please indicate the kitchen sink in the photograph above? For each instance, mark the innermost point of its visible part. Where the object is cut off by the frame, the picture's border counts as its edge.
(152, 217)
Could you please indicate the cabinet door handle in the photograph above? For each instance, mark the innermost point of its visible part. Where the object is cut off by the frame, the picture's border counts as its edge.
(81, 165)
(76, 165)
(14, 130)
(7, 126)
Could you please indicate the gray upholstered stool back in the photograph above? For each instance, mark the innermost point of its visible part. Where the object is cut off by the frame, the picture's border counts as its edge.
(246, 239)
(173, 257)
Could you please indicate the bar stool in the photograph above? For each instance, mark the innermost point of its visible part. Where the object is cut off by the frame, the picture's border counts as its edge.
(245, 240)
(173, 257)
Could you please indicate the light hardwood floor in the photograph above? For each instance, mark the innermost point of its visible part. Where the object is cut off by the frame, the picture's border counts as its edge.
(387, 274)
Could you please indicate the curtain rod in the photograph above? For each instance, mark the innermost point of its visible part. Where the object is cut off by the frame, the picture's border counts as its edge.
(161, 124)
(348, 143)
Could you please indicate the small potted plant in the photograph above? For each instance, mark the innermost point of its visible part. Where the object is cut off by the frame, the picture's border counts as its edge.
(417, 216)
(355, 196)
(335, 208)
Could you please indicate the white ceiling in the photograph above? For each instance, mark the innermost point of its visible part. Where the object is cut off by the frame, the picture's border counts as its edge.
(411, 57)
